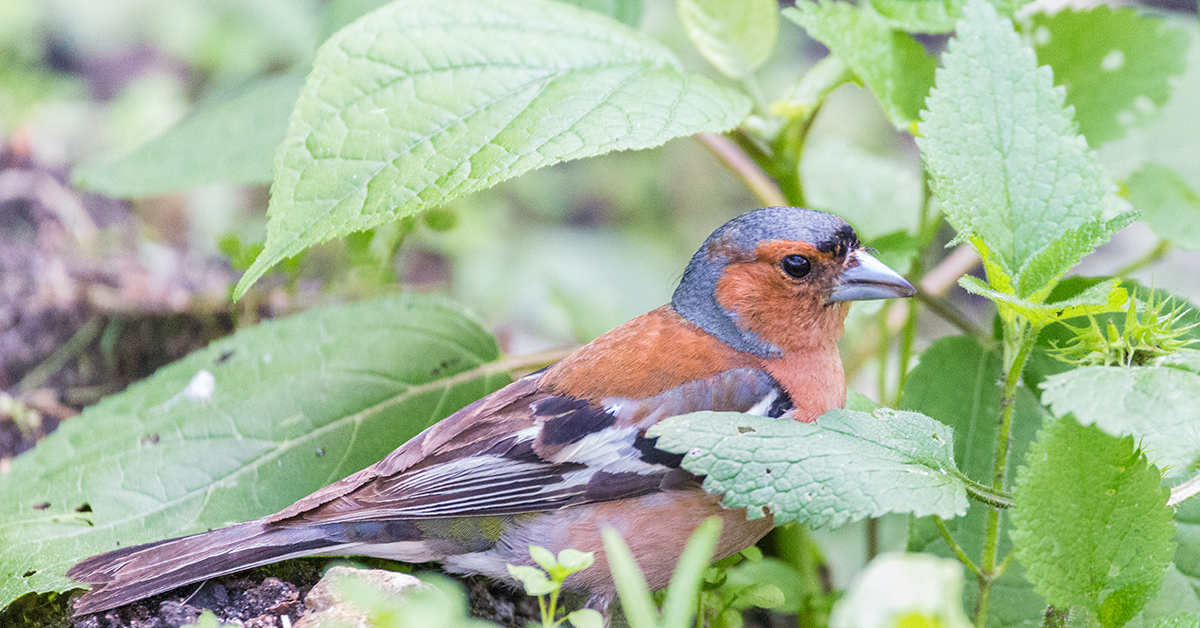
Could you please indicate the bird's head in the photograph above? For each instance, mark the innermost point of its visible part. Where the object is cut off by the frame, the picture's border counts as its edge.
(779, 279)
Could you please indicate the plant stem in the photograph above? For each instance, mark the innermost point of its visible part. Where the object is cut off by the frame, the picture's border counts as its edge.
(952, 315)
(955, 547)
(985, 493)
(1153, 255)
(1019, 337)
(736, 161)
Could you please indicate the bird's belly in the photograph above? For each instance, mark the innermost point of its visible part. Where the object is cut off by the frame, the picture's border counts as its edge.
(656, 527)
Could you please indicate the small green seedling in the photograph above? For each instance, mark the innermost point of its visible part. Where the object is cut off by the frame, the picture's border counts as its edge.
(547, 583)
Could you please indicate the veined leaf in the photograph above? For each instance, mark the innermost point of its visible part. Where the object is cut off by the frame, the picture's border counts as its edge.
(920, 16)
(1091, 522)
(848, 465)
(1115, 64)
(1006, 162)
(229, 138)
(1104, 297)
(237, 431)
(1042, 272)
(417, 103)
(890, 63)
(1154, 403)
(736, 37)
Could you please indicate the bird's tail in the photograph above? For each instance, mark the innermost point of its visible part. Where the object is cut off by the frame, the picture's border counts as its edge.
(132, 573)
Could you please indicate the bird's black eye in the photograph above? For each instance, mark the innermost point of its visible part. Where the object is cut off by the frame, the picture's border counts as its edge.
(796, 266)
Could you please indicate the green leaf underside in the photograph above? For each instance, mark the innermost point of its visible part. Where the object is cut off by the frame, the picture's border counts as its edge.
(1167, 203)
(846, 466)
(958, 383)
(1115, 65)
(295, 404)
(1156, 404)
(736, 37)
(920, 16)
(890, 63)
(1005, 160)
(1091, 524)
(227, 139)
(417, 103)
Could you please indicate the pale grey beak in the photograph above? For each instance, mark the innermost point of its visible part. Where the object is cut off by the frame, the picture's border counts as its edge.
(870, 279)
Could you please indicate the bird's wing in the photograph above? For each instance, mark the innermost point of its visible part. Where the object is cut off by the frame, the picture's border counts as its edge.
(524, 450)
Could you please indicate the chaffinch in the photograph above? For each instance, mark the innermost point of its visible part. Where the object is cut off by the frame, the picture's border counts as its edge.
(556, 456)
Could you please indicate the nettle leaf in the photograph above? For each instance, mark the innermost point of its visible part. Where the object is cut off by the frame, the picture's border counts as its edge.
(847, 465)
(238, 430)
(229, 138)
(957, 382)
(417, 103)
(890, 63)
(1104, 297)
(1182, 620)
(1187, 553)
(1115, 64)
(920, 16)
(736, 37)
(1155, 403)
(1091, 522)
(1042, 272)
(1005, 160)
(1167, 203)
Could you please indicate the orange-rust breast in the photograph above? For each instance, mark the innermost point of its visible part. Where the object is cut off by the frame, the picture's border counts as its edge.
(644, 357)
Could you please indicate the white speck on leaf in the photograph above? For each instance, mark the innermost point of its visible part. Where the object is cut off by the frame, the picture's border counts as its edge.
(1113, 61)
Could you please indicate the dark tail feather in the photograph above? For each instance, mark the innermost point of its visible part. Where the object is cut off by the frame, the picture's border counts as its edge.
(122, 576)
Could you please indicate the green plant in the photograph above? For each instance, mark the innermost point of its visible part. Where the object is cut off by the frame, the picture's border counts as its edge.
(1023, 125)
(548, 581)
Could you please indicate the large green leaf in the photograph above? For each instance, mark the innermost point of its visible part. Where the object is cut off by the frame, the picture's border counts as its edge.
(230, 138)
(1115, 64)
(736, 37)
(890, 63)
(957, 382)
(419, 102)
(1006, 163)
(1091, 522)
(1156, 403)
(237, 431)
(847, 465)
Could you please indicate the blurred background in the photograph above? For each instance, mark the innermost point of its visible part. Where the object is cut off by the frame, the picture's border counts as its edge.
(99, 286)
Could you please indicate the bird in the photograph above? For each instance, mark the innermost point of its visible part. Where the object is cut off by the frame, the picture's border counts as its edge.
(557, 456)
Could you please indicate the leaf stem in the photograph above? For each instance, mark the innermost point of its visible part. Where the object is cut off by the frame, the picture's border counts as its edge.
(1019, 338)
(736, 161)
(1184, 491)
(1152, 256)
(984, 493)
(955, 547)
(952, 315)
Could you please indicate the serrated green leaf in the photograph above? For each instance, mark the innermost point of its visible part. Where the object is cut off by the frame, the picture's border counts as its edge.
(1114, 63)
(1167, 203)
(1005, 161)
(1104, 297)
(1154, 403)
(920, 16)
(957, 382)
(417, 103)
(238, 430)
(1042, 272)
(736, 37)
(903, 590)
(890, 63)
(230, 138)
(1091, 524)
(855, 464)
